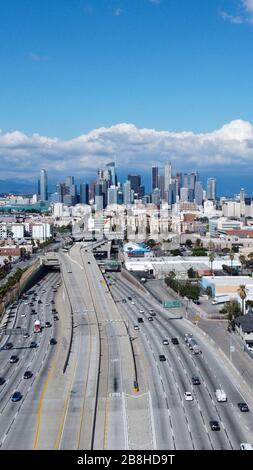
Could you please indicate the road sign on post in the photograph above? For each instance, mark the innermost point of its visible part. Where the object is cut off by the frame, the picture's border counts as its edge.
(171, 304)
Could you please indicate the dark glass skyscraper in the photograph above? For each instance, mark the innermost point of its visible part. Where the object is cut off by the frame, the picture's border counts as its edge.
(154, 178)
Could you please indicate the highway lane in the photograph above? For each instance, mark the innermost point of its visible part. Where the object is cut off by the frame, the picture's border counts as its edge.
(177, 414)
(127, 420)
(231, 431)
(75, 430)
(115, 425)
(14, 429)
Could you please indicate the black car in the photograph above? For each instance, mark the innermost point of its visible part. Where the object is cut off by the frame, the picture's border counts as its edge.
(162, 357)
(150, 319)
(13, 359)
(174, 341)
(33, 344)
(28, 374)
(243, 407)
(47, 324)
(16, 396)
(39, 301)
(88, 262)
(195, 381)
(195, 301)
(2, 380)
(140, 320)
(53, 341)
(214, 425)
(129, 298)
(8, 346)
(124, 301)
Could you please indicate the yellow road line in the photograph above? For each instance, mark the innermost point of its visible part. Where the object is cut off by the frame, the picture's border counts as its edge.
(51, 369)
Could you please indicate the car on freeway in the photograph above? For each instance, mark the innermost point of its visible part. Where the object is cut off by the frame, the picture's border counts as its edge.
(214, 425)
(13, 359)
(124, 301)
(129, 298)
(195, 381)
(188, 396)
(140, 320)
(153, 314)
(16, 396)
(33, 311)
(133, 303)
(243, 407)
(47, 324)
(18, 327)
(31, 304)
(52, 301)
(56, 318)
(150, 319)
(26, 335)
(39, 301)
(162, 358)
(136, 327)
(174, 341)
(2, 380)
(28, 374)
(166, 342)
(141, 311)
(195, 301)
(33, 344)
(8, 346)
(23, 314)
(246, 446)
(53, 341)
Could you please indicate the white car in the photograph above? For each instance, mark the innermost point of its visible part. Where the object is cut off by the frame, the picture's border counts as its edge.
(188, 396)
(246, 446)
(23, 314)
(133, 303)
(142, 311)
(136, 327)
(166, 341)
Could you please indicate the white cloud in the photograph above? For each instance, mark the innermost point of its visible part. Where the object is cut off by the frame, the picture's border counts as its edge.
(117, 12)
(22, 155)
(248, 5)
(231, 18)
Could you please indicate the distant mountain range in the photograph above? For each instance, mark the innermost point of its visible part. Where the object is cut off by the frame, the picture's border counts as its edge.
(20, 186)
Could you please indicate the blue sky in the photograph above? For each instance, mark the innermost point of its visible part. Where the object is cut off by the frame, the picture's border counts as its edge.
(69, 67)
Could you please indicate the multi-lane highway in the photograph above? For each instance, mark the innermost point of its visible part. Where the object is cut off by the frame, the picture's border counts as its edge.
(182, 424)
(124, 383)
(18, 420)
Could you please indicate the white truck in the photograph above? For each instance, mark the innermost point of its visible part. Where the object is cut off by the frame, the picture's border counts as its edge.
(220, 299)
(220, 395)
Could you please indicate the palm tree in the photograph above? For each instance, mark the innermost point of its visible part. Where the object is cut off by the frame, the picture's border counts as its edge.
(231, 256)
(211, 259)
(242, 291)
(242, 261)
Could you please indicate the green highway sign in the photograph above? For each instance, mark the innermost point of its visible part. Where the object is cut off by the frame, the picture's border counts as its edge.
(172, 304)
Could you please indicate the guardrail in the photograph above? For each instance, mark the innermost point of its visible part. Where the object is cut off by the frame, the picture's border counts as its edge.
(72, 325)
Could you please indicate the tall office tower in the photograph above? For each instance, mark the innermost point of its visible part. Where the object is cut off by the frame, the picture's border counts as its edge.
(112, 195)
(71, 190)
(127, 193)
(167, 176)
(99, 197)
(61, 189)
(113, 180)
(92, 187)
(154, 178)
(135, 181)
(69, 180)
(142, 191)
(211, 189)
(43, 186)
(178, 177)
(156, 197)
(184, 194)
(198, 193)
(146, 199)
(172, 193)
(189, 182)
(161, 185)
(84, 193)
(120, 199)
(242, 202)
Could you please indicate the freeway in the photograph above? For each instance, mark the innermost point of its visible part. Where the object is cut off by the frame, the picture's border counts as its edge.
(18, 420)
(181, 423)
